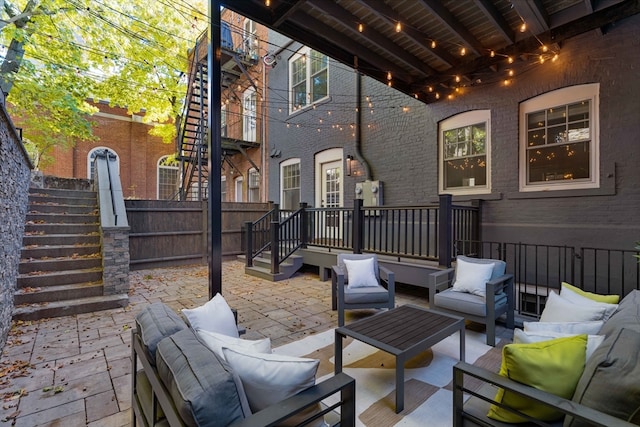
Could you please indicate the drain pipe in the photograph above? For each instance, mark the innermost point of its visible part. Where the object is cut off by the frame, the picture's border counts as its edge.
(358, 154)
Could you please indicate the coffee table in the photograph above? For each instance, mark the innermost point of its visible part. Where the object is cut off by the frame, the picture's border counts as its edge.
(404, 332)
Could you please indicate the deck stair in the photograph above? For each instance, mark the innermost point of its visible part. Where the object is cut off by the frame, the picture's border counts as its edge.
(262, 267)
(60, 269)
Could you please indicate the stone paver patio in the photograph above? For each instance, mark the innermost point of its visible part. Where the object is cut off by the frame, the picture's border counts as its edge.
(76, 370)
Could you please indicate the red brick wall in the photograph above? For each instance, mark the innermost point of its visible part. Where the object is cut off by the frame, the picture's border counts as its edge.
(138, 152)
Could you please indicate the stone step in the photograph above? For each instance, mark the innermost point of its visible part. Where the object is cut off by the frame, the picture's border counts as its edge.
(69, 307)
(55, 251)
(30, 240)
(62, 209)
(54, 218)
(57, 293)
(33, 265)
(55, 278)
(62, 193)
(60, 228)
(265, 273)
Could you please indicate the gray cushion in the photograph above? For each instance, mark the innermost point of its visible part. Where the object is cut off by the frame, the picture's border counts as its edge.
(378, 294)
(626, 316)
(203, 387)
(155, 322)
(499, 267)
(611, 379)
(465, 302)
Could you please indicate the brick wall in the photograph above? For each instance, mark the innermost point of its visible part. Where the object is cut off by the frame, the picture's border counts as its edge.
(402, 146)
(14, 185)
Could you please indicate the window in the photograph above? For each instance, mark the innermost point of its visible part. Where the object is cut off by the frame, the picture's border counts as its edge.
(559, 140)
(250, 39)
(254, 186)
(92, 155)
(290, 184)
(223, 188)
(308, 74)
(249, 115)
(168, 178)
(465, 153)
(238, 184)
(223, 121)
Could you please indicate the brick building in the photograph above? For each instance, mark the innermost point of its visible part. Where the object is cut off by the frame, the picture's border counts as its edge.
(140, 155)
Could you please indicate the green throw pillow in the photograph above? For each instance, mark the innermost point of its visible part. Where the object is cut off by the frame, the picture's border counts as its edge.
(554, 366)
(609, 299)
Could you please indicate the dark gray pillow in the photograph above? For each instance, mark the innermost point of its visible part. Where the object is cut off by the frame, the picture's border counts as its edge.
(202, 387)
(155, 322)
(626, 316)
(611, 379)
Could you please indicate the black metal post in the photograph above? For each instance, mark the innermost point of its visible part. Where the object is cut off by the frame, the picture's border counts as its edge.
(249, 241)
(358, 226)
(445, 226)
(214, 145)
(275, 247)
(304, 226)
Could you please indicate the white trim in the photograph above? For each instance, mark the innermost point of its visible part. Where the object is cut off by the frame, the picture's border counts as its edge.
(132, 118)
(460, 120)
(89, 159)
(283, 164)
(237, 185)
(327, 156)
(561, 97)
(249, 134)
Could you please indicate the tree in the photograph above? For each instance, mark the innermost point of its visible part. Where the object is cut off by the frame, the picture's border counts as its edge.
(58, 54)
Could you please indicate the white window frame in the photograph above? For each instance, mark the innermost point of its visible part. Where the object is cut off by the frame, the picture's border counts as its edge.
(223, 188)
(563, 97)
(91, 156)
(250, 40)
(466, 118)
(305, 53)
(284, 164)
(249, 115)
(253, 191)
(175, 167)
(237, 189)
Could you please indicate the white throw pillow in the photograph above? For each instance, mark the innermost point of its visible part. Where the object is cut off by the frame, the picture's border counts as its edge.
(361, 273)
(558, 309)
(214, 316)
(270, 378)
(216, 342)
(523, 337)
(576, 298)
(472, 277)
(573, 328)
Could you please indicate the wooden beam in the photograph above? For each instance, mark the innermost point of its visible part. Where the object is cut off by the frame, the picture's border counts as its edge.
(533, 15)
(500, 24)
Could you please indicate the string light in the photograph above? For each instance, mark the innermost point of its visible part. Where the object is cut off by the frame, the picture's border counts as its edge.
(398, 27)
(510, 59)
(545, 48)
(492, 53)
(433, 44)
(511, 73)
(267, 3)
(360, 27)
(555, 58)
(463, 51)
(523, 27)
(389, 75)
(457, 78)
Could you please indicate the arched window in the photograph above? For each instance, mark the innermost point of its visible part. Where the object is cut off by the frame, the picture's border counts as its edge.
(92, 155)
(168, 178)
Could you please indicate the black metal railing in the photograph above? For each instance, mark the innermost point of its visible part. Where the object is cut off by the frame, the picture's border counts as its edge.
(330, 227)
(539, 269)
(258, 235)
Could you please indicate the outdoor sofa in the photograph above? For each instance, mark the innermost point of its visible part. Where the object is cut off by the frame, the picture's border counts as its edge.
(180, 381)
(607, 392)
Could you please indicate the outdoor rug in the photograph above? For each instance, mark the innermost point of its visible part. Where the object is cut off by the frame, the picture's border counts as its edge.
(428, 376)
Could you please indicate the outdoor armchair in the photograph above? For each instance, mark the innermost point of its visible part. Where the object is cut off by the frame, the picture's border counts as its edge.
(476, 289)
(370, 285)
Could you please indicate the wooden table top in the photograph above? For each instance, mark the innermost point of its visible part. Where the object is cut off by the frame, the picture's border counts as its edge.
(402, 327)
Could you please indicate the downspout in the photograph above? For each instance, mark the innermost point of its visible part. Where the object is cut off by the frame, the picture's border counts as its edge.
(263, 146)
(358, 154)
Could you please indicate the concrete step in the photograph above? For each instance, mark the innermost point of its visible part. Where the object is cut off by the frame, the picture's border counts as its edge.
(262, 267)
(55, 278)
(49, 229)
(69, 307)
(62, 209)
(62, 193)
(33, 265)
(55, 251)
(265, 273)
(57, 293)
(30, 240)
(54, 218)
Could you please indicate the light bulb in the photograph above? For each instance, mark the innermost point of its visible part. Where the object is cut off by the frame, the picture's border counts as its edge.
(398, 27)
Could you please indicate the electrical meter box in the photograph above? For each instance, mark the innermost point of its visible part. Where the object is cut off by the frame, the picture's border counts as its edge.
(370, 192)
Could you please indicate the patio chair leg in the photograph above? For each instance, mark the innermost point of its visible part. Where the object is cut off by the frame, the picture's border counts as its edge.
(491, 333)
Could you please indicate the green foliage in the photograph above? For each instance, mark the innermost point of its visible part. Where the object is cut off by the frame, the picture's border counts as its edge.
(637, 248)
(131, 53)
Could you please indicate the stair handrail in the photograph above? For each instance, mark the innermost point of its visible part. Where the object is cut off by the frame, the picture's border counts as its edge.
(290, 236)
(258, 228)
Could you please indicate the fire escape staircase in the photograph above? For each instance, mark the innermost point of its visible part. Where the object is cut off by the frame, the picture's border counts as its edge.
(192, 135)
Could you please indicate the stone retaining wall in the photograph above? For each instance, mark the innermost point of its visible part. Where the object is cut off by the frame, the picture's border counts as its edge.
(14, 198)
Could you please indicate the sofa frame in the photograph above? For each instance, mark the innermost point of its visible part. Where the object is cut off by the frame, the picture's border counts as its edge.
(341, 384)
(464, 417)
